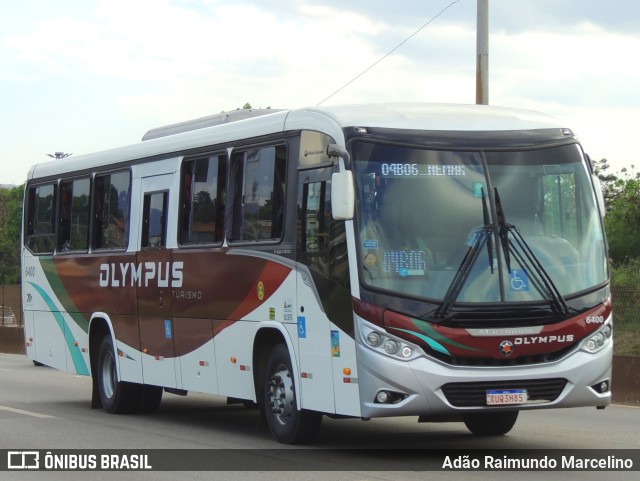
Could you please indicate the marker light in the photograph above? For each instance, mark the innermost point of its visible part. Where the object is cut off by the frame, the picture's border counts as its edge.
(407, 351)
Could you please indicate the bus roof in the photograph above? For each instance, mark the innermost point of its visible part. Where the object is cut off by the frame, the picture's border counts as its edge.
(412, 116)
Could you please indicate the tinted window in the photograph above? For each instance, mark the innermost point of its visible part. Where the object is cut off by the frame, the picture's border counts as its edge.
(258, 201)
(154, 220)
(322, 244)
(203, 200)
(111, 211)
(73, 224)
(41, 219)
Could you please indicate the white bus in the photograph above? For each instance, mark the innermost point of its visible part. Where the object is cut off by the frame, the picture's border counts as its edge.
(439, 261)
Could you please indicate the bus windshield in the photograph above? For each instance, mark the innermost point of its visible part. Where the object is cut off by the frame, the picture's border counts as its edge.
(421, 213)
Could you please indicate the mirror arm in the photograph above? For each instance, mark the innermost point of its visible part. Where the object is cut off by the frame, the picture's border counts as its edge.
(334, 150)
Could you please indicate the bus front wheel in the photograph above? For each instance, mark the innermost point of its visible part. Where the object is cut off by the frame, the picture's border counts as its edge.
(491, 423)
(117, 397)
(287, 423)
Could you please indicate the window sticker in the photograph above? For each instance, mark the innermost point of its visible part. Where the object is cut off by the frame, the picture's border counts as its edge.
(335, 344)
(302, 327)
(519, 280)
(370, 243)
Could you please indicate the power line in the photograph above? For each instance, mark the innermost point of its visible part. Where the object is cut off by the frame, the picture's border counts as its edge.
(389, 53)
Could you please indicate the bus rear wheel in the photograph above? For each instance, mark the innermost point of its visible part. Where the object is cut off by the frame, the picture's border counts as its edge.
(491, 423)
(287, 423)
(117, 397)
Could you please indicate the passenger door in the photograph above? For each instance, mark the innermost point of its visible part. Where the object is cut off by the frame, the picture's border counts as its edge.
(154, 270)
(314, 332)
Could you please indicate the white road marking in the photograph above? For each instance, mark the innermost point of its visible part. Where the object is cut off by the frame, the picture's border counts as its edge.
(25, 413)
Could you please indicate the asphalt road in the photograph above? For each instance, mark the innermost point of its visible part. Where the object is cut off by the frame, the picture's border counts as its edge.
(44, 409)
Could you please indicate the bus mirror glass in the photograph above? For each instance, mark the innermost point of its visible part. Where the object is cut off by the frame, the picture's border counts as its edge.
(342, 195)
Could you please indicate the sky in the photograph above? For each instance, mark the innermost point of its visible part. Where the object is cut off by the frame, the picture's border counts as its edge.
(80, 76)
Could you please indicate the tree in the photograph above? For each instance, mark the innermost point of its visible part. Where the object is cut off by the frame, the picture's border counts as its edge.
(10, 225)
(622, 201)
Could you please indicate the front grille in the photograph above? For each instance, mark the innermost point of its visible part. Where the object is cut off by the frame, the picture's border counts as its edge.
(471, 394)
(507, 361)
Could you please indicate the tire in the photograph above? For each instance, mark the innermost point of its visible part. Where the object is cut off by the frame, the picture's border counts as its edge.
(149, 399)
(491, 423)
(117, 397)
(287, 424)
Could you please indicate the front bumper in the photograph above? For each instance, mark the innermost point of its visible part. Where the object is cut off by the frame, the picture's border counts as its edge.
(420, 382)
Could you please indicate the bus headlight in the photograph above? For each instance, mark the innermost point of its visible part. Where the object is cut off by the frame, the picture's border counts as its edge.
(390, 346)
(374, 339)
(381, 341)
(598, 339)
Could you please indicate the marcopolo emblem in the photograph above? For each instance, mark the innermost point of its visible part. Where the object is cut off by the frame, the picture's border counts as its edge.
(506, 348)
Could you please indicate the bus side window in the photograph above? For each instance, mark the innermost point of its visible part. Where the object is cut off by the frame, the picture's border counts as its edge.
(73, 221)
(258, 178)
(154, 220)
(111, 211)
(322, 242)
(40, 228)
(203, 198)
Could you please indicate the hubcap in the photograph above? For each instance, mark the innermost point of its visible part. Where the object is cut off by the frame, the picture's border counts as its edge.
(109, 375)
(280, 395)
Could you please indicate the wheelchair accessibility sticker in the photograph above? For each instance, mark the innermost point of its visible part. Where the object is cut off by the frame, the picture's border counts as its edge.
(302, 327)
(518, 280)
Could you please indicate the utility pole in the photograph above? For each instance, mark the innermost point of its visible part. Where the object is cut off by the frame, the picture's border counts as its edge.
(482, 54)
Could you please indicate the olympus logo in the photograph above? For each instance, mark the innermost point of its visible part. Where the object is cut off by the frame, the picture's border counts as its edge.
(130, 274)
(523, 341)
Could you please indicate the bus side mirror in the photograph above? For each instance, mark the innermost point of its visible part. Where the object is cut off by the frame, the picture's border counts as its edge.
(342, 195)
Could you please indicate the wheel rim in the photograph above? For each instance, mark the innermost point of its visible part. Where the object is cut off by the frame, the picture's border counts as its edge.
(280, 395)
(108, 375)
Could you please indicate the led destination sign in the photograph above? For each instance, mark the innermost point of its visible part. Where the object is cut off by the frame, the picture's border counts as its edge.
(421, 170)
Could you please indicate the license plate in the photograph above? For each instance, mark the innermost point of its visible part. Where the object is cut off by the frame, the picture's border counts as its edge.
(503, 397)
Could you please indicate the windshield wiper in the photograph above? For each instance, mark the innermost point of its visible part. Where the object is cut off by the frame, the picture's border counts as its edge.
(519, 248)
(481, 237)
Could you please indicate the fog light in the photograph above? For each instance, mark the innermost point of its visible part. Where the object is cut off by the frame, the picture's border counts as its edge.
(382, 397)
(374, 339)
(602, 387)
(390, 346)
